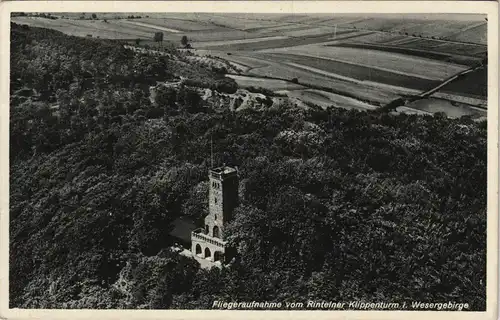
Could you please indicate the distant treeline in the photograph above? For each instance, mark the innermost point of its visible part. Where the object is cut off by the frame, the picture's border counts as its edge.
(29, 14)
(83, 16)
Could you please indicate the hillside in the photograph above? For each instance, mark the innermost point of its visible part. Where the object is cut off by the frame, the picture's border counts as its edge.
(336, 204)
(358, 61)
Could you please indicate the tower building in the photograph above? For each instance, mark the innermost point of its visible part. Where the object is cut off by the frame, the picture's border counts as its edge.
(208, 242)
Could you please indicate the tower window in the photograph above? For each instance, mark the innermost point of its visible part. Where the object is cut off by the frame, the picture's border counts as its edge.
(215, 217)
(215, 200)
(216, 233)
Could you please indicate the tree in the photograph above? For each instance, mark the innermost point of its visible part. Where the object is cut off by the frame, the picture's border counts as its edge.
(94, 16)
(184, 41)
(137, 41)
(158, 37)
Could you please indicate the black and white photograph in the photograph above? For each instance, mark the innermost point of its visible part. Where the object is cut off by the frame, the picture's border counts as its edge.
(163, 160)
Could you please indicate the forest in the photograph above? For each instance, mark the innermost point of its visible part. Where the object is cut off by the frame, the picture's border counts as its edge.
(335, 205)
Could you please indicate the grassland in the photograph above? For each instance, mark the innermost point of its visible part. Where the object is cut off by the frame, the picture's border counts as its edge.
(378, 60)
(370, 60)
(450, 108)
(440, 56)
(473, 84)
(358, 72)
(271, 84)
(268, 42)
(371, 94)
(96, 28)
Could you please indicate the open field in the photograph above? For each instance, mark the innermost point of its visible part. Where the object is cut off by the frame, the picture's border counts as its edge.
(269, 66)
(232, 44)
(315, 31)
(371, 59)
(479, 102)
(358, 72)
(429, 45)
(299, 92)
(152, 26)
(96, 28)
(266, 43)
(271, 84)
(411, 111)
(447, 47)
(327, 99)
(242, 60)
(473, 84)
(456, 59)
(451, 109)
(432, 27)
(374, 94)
(397, 63)
(476, 34)
(183, 25)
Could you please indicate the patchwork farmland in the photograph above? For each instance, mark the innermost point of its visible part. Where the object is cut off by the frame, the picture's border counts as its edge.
(328, 60)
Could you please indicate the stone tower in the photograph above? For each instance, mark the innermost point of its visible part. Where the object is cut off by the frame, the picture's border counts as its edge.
(208, 242)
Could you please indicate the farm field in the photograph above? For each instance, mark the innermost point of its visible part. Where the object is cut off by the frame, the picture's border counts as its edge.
(152, 26)
(397, 63)
(473, 84)
(375, 95)
(315, 31)
(299, 92)
(240, 60)
(456, 59)
(479, 102)
(266, 43)
(268, 66)
(451, 109)
(271, 84)
(372, 59)
(95, 28)
(432, 26)
(234, 44)
(475, 34)
(411, 111)
(325, 99)
(357, 72)
(452, 48)
(448, 47)
(183, 25)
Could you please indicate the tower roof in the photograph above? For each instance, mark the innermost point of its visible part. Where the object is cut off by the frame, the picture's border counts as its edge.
(223, 171)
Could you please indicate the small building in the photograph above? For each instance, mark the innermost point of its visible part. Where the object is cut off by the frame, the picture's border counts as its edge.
(208, 242)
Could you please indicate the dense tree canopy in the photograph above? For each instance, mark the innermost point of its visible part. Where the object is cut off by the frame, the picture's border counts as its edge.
(335, 205)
